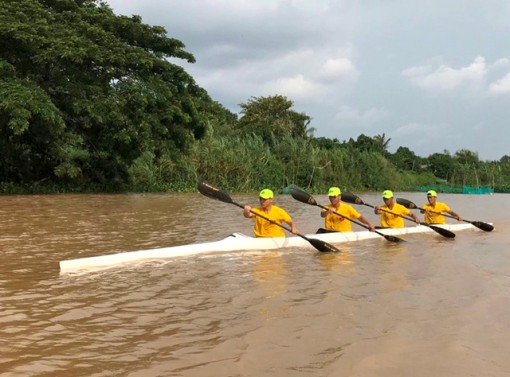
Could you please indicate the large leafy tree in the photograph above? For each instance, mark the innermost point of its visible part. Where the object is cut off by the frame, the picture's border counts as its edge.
(405, 159)
(467, 157)
(84, 92)
(365, 144)
(468, 166)
(442, 165)
(273, 116)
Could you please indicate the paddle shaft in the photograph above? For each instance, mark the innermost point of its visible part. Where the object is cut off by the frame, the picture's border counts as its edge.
(304, 197)
(271, 221)
(396, 214)
(479, 224)
(218, 194)
(409, 204)
(356, 200)
(389, 238)
(318, 244)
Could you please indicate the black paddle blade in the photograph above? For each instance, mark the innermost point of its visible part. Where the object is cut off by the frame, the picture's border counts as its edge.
(303, 196)
(406, 203)
(483, 226)
(393, 238)
(214, 192)
(322, 246)
(322, 230)
(442, 231)
(351, 198)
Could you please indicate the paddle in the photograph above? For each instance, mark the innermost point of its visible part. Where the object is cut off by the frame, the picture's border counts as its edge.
(304, 197)
(218, 194)
(479, 224)
(351, 198)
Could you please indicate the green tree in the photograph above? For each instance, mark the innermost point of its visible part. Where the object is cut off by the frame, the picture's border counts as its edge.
(505, 159)
(405, 159)
(326, 143)
(364, 144)
(271, 117)
(467, 157)
(468, 167)
(84, 92)
(442, 165)
(382, 143)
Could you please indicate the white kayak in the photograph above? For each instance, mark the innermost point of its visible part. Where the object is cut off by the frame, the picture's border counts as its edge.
(239, 242)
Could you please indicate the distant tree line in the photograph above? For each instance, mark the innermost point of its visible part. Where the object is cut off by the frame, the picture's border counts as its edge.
(89, 101)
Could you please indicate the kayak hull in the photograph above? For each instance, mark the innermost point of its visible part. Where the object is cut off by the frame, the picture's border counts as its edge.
(239, 242)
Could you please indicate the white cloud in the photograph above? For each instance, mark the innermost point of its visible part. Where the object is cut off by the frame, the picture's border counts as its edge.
(297, 87)
(414, 129)
(302, 75)
(417, 72)
(338, 69)
(343, 63)
(426, 138)
(362, 118)
(445, 78)
(501, 63)
(501, 86)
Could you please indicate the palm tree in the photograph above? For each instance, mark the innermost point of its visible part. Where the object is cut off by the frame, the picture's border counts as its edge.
(382, 143)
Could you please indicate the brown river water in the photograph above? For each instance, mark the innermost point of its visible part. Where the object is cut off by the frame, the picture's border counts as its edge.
(427, 307)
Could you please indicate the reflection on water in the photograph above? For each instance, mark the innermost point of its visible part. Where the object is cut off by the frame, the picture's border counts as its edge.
(426, 307)
(339, 262)
(270, 271)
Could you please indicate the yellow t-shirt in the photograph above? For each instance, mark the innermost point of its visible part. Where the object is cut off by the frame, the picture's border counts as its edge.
(337, 223)
(435, 218)
(389, 220)
(264, 228)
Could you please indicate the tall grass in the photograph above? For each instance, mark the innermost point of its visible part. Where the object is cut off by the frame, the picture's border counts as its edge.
(247, 163)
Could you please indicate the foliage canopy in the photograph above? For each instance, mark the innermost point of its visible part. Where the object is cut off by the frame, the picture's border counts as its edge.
(90, 100)
(84, 92)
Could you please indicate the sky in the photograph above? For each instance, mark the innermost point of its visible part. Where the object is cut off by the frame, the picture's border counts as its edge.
(431, 75)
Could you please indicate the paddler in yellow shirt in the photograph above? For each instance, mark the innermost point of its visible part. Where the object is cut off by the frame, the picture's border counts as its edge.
(264, 228)
(336, 223)
(393, 220)
(434, 209)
